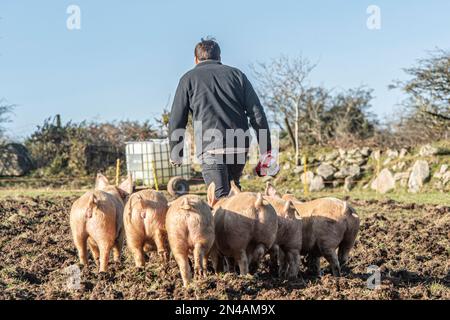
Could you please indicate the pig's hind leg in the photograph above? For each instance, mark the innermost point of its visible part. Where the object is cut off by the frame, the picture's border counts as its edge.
(256, 255)
(217, 260)
(274, 253)
(313, 264)
(137, 249)
(333, 260)
(242, 260)
(293, 262)
(94, 250)
(80, 240)
(185, 270)
(199, 255)
(161, 247)
(118, 245)
(105, 251)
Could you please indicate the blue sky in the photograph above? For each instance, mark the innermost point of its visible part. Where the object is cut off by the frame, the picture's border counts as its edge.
(128, 56)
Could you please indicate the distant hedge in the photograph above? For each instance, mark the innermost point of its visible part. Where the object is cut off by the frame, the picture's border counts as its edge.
(82, 148)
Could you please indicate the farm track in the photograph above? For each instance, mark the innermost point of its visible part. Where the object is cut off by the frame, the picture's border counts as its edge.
(409, 242)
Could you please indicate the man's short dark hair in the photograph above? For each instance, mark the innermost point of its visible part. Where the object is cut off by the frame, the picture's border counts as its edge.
(207, 49)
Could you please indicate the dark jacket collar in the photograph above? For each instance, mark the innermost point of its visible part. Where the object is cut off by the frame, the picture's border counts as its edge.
(206, 62)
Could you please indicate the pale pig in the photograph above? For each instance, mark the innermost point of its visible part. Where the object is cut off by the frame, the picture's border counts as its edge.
(190, 228)
(96, 220)
(245, 225)
(328, 224)
(145, 224)
(288, 244)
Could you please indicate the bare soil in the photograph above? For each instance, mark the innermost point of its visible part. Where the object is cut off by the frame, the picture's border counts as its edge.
(408, 242)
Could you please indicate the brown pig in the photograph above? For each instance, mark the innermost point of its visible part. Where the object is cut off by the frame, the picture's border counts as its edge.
(245, 225)
(145, 224)
(96, 220)
(190, 228)
(328, 224)
(288, 243)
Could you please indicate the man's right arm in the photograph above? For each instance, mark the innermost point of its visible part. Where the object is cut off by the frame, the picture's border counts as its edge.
(257, 116)
(178, 121)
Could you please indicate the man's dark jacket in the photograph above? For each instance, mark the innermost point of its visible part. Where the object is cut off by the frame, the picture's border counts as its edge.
(219, 97)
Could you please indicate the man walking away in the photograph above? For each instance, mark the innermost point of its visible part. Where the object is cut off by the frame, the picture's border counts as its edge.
(222, 101)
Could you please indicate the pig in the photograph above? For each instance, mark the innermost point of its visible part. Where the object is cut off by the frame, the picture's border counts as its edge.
(246, 227)
(190, 228)
(96, 220)
(328, 224)
(288, 243)
(145, 225)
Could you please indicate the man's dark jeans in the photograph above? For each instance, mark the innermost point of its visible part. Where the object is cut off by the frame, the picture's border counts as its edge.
(222, 169)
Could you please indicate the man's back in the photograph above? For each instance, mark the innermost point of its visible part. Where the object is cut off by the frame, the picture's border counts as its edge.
(220, 98)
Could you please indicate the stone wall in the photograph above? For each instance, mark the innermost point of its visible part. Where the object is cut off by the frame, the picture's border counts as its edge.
(379, 170)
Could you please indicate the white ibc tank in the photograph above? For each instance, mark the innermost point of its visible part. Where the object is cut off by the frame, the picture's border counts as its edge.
(149, 159)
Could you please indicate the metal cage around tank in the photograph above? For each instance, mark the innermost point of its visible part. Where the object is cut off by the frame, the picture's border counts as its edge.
(148, 162)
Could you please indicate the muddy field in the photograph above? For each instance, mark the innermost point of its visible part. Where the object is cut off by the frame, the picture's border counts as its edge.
(410, 244)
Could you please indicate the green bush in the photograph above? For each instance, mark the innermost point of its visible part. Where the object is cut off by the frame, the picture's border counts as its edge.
(79, 149)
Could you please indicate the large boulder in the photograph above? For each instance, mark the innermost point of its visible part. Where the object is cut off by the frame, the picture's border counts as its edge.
(316, 184)
(384, 182)
(419, 174)
(15, 160)
(326, 171)
(309, 175)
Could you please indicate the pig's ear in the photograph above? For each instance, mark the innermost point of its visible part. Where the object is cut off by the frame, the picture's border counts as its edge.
(211, 194)
(127, 185)
(289, 210)
(234, 189)
(271, 191)
(101, 182)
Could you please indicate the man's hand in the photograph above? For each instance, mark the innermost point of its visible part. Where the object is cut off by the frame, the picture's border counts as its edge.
(267, 166)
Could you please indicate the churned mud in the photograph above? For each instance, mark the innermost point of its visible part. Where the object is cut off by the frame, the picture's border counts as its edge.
(408, 243)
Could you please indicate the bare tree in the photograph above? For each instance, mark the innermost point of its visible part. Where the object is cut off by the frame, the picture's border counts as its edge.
(430, 84)
(350, 114)
(318, 115)
(427, 107)
(282, 83)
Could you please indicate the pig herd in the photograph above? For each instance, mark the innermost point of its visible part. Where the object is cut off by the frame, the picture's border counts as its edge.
(235, 232)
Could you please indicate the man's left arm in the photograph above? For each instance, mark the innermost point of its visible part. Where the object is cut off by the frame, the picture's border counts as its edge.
(257, 116)
(179, 115)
